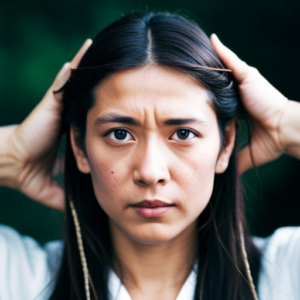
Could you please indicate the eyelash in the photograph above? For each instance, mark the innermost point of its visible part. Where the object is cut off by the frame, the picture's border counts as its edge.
(114, 130)
(127, 132)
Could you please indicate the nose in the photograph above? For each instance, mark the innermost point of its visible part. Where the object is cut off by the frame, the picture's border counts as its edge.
(151, 165)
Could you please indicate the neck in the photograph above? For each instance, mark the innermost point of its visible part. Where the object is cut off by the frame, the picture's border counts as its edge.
(154, 271)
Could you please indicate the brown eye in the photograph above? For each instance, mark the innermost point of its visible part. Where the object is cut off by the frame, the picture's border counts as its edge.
(119, 135)
(183, 134)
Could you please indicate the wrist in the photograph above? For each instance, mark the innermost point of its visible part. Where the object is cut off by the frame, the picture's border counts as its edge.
(9, 166)
(289, 129)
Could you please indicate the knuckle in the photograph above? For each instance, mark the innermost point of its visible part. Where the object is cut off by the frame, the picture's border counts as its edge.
(244, 64)
(254, 71)
(66, 65)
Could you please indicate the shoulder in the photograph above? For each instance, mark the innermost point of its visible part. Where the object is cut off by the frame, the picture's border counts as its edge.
(280, 264)
(25, 265)
(284, 241)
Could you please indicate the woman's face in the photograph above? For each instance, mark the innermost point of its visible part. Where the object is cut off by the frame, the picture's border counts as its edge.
(152, 135)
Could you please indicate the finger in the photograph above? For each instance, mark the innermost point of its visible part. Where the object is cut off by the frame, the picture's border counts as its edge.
(75, 61)
(65, 72)
(239, 68)
(61, 78)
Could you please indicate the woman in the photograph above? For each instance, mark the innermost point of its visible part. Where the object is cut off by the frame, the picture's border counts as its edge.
(152, 191)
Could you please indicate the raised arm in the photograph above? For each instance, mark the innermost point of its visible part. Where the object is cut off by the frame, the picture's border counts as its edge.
(275, 119)
(28, 159)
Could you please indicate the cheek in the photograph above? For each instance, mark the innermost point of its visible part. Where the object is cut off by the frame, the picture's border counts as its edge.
(199, 172)
(104, 174)
(109, 178)
(196, 180)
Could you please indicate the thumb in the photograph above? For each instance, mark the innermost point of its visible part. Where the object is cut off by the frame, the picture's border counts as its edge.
(65, 73)
(60, 80)
(239, 68)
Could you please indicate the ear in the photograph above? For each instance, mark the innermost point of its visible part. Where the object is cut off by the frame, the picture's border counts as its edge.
(227, 148)
(81, 159)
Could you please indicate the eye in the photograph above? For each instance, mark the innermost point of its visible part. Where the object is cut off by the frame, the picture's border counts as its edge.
(183, 134)
(119, 136)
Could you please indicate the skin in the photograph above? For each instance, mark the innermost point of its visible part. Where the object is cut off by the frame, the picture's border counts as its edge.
(153, 162)
(27, 151)
(274, 118)
(28, 160)
(28, 163)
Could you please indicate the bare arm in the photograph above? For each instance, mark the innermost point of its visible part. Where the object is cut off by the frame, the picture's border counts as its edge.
(8, 169)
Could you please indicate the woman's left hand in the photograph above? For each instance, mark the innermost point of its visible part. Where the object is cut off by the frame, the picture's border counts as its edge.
(273, 116)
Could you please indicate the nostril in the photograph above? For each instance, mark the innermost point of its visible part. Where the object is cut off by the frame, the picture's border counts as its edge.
(141, 182)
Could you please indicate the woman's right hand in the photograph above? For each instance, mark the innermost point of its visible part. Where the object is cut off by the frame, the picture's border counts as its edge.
(28, 160)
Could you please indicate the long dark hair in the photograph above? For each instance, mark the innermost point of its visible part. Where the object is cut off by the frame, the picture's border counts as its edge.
(172, 41)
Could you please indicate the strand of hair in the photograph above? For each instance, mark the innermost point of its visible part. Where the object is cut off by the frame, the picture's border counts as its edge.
(81, 251)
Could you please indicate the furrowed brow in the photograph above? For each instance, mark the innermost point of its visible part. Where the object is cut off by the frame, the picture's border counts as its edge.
(183, 121)
(114, 118)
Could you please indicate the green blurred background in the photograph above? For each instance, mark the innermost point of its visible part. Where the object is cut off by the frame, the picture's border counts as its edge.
(37, 37)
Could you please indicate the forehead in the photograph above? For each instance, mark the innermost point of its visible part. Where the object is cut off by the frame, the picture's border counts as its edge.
(153, 89)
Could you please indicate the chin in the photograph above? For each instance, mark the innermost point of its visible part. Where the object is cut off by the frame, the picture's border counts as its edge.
(153, 234)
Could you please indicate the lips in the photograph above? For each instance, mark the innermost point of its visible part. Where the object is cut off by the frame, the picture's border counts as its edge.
(152, 209)
(152, 204)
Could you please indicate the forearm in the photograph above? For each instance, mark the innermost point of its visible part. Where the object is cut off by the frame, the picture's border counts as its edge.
(290, 129)
(9, 169)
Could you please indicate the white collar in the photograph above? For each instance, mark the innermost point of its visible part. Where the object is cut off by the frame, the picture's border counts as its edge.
(118, 291)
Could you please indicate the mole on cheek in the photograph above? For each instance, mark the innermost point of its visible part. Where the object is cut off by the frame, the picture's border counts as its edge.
(112, 172)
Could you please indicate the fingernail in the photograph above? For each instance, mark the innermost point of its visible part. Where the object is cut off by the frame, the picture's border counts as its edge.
(215, 37)
(90, 41)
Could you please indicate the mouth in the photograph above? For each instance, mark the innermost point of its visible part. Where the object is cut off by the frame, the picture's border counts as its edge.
(152, 208)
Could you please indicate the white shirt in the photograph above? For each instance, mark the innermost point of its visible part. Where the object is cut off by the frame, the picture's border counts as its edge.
(26, 268)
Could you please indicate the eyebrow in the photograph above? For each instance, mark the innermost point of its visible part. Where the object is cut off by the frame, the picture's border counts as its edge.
(182, 121)
(114, 118)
